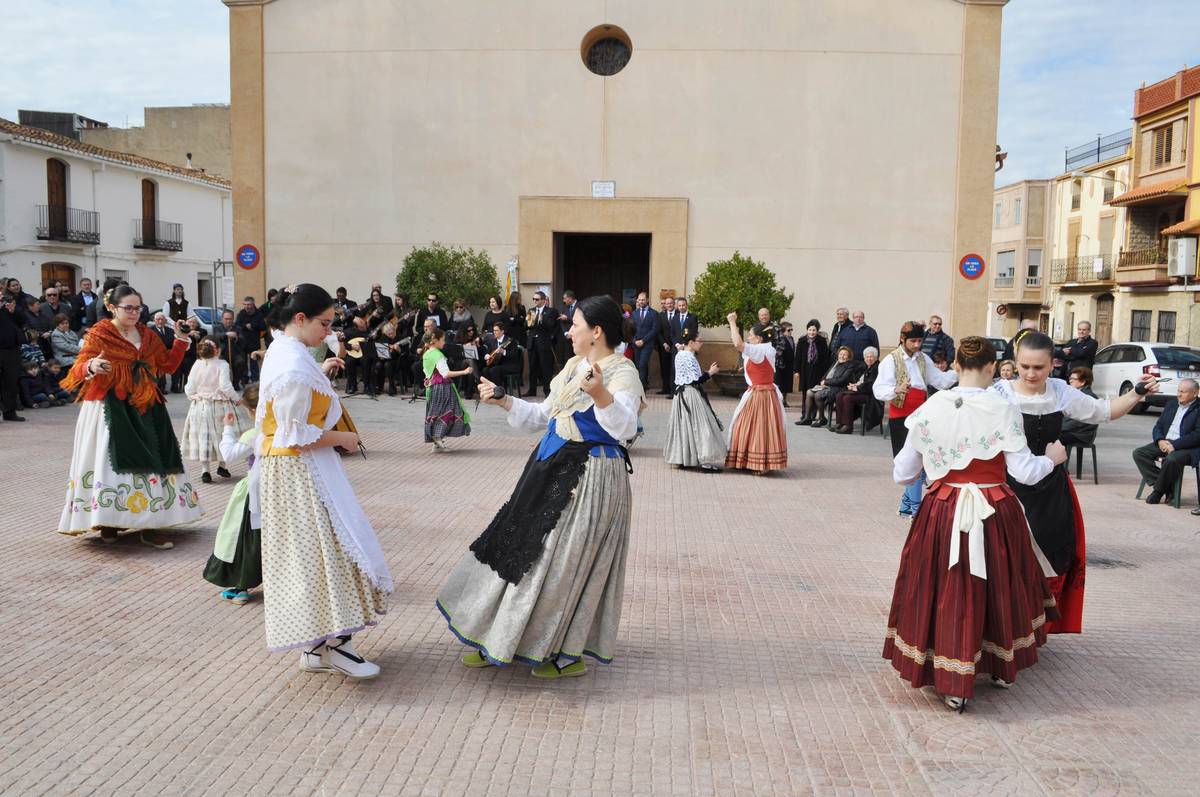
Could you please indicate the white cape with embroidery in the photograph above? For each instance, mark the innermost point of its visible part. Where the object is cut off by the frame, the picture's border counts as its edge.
(289, 362)
(953, 428)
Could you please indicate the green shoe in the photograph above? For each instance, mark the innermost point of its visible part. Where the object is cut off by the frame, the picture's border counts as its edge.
(549, 669)
(475, 660)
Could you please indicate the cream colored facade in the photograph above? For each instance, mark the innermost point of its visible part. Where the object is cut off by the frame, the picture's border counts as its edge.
(170, 134)
(1019, 255)
(849, 146)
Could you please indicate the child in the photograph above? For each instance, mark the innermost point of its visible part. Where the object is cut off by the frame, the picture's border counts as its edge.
(694, 435)
(236, 561)
(33, 391)
(31, 352)
(51, 379)
(210, 389)
(445, 415)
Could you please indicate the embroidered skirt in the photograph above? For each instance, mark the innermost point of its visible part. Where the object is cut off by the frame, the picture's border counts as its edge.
(946, 626)
(694, 437)
(313, 590)
(444, 415)
(757, 440)
(205, 422)
(99, 496)
(569, 603)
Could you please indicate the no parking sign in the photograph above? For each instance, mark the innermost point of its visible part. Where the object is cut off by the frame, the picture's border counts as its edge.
(248, 256)
(971, 266)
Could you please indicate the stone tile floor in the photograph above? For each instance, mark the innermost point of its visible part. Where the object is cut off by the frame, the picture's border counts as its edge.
(749, 658)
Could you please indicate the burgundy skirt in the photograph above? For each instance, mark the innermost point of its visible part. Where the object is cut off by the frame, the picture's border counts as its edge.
(947, 626)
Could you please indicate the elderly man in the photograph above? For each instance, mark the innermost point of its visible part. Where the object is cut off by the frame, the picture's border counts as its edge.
(1080, 352)
(858, 336)
(166, 333)
(225, 335)
(843, 321)
(1176, 442)
(937, 340)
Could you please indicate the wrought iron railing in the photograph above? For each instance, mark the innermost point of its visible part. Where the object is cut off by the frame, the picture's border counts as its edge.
(61, 223)
(151, 234)
(1155, 256)
(1103, 148)
(1081, 268)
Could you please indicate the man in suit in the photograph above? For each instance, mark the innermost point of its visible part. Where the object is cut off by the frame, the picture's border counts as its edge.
(1176, 443)
(645, 336)
(1081, 352)
(432, 309)
(541, 344)
(225, 335)
(565, 319)
(251, 326)
(687, 325)
(502, 356)
(666, 346)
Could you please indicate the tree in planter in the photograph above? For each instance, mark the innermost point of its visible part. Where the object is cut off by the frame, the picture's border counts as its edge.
(450, 271)
(739, 284)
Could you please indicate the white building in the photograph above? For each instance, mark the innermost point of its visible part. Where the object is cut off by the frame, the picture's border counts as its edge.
(70, 210)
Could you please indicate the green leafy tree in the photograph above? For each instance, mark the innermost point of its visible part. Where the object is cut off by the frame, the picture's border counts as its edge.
(739, 284)
(450, 271)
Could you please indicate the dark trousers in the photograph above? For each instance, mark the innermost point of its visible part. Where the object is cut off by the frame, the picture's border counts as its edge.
(1146, 458)
(666, 368)
(496, 374)
(363, 366)
(642, 358)
(898, 433)
(541, 364)
(10, 379)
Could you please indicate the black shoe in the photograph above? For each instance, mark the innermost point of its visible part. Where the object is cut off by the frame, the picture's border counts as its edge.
(1154, 497)
(804, 422)
(820, 423)
(12, 416)
(223, 473)
(206, 477)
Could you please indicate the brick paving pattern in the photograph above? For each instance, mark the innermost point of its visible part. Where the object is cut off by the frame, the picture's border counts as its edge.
(748, 659)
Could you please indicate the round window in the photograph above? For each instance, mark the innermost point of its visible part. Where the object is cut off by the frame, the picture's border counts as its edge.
(606, 50)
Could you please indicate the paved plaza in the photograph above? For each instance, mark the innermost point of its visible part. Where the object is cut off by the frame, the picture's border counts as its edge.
(748, 659)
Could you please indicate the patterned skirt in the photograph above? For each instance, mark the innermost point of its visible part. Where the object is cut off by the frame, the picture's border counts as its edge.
(757, 440)
(569, 603)
(946, 626)
(694, 437)
(205, 422)
(313, 590)
(444, 413)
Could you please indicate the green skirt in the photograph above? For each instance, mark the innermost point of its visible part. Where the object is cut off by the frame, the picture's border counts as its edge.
(245, 571)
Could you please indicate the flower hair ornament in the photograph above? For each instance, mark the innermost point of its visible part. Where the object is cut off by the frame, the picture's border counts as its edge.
(290, 289)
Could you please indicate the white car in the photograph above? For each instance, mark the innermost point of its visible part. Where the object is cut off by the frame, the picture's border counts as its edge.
(1119, 367)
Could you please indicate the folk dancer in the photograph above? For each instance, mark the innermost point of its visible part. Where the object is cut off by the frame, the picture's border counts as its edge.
(695, 437)
(757, 441)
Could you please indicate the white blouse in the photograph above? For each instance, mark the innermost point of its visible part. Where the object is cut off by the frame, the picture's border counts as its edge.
(757, 352)
(619, 419)
(1057, 397)
(210, 380)
(290, 408)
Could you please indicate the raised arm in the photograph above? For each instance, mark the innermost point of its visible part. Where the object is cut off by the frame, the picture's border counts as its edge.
(735, 334)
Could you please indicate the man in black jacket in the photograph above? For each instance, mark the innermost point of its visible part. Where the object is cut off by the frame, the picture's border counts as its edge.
(666, 346)
(229, 343)
(432, 309)
(541, 344)
(686, 326)
(1176, 441)
(81, 301)
(250, 328)
(166, 333)
(359, 341)
(501, 356)
(1080, 352)
(565, 319)
(11, 338)
(843, 321)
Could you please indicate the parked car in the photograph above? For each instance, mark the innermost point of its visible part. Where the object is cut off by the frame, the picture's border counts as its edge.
(998, 344)
(1119, 367)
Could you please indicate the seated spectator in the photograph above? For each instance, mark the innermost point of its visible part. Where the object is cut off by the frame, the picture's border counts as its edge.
(472, 348)
(1176, 442)
(36, 321)
(39, 389)
(858, 397)
(816, 399)
(64, 341)
(1075, 433)
(31, 352)
(460, 316)
(1006, 370)
(52, 375)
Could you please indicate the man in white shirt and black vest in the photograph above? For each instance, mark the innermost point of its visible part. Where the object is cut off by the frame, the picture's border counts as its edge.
(905, 377)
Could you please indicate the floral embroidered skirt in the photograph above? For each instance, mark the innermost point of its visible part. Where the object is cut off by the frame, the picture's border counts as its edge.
(99, 496)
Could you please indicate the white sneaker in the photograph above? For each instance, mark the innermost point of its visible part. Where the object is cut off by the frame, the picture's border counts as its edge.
(958, 704)
(1000, 683)
(310, 660)
(341, 656)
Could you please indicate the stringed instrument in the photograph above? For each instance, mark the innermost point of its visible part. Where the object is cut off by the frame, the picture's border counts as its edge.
(490, 358)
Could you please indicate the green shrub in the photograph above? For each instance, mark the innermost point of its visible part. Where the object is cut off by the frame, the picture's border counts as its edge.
(450, 271)
(739, 284)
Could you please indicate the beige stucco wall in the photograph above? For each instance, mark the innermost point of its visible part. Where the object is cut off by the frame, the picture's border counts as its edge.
(169, 134)
(848, 147)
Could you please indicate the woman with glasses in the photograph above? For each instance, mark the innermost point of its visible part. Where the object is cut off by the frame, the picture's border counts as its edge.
(126, 469)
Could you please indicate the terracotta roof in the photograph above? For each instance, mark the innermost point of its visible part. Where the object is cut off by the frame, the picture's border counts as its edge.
(36, 135)
(1148, 191)
(1184, 228)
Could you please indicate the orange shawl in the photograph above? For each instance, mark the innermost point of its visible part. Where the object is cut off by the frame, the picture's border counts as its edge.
(134, 375)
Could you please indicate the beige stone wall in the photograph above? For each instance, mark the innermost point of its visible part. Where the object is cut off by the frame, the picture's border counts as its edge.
(848, 147)
(1182, 303)
(169, 134)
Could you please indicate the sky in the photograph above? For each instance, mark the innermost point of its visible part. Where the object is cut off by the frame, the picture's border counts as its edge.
(1068, 70)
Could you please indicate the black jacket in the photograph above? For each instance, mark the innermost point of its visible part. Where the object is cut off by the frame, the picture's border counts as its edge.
(250, 328)
(1083, 353)
(545, 328)
(1189, 435)
(11, 336)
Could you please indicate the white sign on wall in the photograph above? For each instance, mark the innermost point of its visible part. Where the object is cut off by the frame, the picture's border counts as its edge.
(604, 189)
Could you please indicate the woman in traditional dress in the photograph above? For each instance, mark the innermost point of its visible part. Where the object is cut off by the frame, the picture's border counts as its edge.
(757, 441)
(445, 415)
(695, 437)
(543, 584)
(971, 596)
(1051, 505)
(126, 469)
(211, 396)
(236, 560)
(323, 569)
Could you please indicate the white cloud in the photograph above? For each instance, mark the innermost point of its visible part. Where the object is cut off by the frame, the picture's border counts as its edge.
(1069, 68)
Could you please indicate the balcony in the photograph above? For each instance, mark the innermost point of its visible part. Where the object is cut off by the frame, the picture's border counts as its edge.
(1144, 257)
(165, 236)
(68, 225)
(1081, 269)
(1004, 281)
(1143, 267)
(1033, 282)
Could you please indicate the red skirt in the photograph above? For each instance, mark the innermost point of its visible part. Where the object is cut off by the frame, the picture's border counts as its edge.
(947, 626)
(757, 440)
(1067, 588)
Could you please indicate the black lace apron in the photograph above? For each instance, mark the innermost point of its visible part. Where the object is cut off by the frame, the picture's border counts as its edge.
(1048, 504)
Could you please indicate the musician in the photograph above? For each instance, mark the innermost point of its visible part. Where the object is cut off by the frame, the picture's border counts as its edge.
(393, 356)
(360, 355)
(565, 319)
(419, 345)
(502, 356)
(225, 335)
(434, 311)
(543, 321)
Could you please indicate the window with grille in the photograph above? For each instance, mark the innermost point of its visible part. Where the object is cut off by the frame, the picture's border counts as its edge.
(1076, 194)
(1162, 145)
(1110, 181)
(1139, 328)
(1166, 326)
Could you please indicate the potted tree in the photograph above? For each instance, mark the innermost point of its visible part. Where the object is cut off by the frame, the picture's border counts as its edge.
(739, 284)
(451, 271)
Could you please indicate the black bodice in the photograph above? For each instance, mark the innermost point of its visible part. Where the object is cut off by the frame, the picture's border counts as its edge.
(1041, 430)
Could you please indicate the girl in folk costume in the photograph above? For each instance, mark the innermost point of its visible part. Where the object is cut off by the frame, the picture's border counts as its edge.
(757, 440)
(543, 584)
(971, 596)
(694, 435)
(322, 566)
(905, 377)
(445, 415)
(211, 394)
(1051, 505)
(126, 470)
(236, 561)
